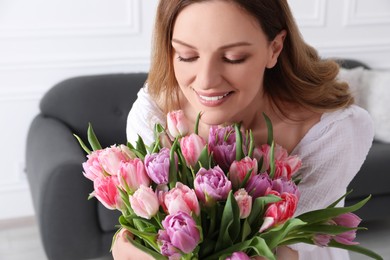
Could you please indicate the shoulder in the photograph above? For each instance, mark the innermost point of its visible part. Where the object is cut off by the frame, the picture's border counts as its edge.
(351, 124)
(142, 117)
(346, 132)
(349, 117)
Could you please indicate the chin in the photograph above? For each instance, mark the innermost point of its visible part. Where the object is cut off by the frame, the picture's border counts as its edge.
(215, 118)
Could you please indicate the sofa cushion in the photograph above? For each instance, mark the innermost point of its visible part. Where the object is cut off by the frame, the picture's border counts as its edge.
(78, 101)
(372, 92)
(373, 177)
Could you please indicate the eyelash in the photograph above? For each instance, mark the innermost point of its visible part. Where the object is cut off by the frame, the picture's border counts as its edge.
(192, 59)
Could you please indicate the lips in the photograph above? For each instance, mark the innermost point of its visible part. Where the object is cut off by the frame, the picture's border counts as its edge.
(213, 99)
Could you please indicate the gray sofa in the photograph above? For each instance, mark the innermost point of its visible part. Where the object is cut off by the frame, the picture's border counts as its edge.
(71, 227)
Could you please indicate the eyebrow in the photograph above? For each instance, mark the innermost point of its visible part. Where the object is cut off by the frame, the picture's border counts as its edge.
(227, 46)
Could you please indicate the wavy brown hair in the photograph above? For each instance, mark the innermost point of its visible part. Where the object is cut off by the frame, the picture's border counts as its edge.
(299, 77)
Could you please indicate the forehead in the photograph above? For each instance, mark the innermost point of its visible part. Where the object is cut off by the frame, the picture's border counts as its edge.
(216, 20)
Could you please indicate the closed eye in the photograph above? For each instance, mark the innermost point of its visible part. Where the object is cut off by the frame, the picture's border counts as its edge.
(237, 61)
(191, 59)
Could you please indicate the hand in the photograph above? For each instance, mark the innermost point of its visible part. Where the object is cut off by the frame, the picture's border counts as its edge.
(282, 253)
(124, 250)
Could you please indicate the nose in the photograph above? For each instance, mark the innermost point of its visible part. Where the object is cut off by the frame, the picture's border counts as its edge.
(209, 74)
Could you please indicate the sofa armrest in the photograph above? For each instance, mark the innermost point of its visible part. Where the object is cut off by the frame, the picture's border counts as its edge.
(59, 190)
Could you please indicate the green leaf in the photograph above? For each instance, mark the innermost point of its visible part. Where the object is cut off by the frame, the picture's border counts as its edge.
(275, 235)
(272, 160)
(239, 152)
(230, 223)
(326, 229)
(245, 230)
(196, 130)
(172, 165)
(203, 160)
(269, 129)
(354, 248)
(334, 204)
(147, 237)
(184, 173)
(82, 144)
(258, 207)
(141, 147)
(257, 244)
(147, 250)
(320, 215)
(246, 178)
(92, 139)
(251, 144)
(357, 249)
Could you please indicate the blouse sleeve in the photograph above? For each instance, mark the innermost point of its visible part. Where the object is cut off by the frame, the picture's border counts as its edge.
(142, 117)
(332, 154)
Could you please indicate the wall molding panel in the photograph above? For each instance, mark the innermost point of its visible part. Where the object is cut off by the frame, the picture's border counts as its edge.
(59, 61)
(363, 12)
(127, 22)
(310, 13)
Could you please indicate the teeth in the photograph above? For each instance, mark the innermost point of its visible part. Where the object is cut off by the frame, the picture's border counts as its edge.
(215, 98)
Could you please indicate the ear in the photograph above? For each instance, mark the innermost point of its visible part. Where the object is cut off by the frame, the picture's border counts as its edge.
(275, 48)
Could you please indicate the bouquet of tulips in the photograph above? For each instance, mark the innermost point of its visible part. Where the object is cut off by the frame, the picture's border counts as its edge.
(184, 197)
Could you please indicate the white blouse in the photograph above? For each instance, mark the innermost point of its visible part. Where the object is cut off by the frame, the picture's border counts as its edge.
(332, 152)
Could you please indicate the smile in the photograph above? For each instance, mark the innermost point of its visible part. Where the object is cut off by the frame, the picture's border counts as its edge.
(212, 100)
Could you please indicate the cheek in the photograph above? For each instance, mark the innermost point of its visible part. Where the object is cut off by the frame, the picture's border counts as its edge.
(182, 73)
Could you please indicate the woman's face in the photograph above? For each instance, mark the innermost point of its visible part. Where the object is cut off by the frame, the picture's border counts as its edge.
(220, 54)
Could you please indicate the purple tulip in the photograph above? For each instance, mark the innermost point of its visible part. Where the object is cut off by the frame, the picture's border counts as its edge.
(322, 240)
(180, 232)
(347, 220)
(222, 144)
(157, 166)
(283, 185)
(212, 185)
(166, 247)
(258, 185)
(238, 256)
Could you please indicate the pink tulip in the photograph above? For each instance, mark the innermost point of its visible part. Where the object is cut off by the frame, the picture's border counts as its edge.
(264, 152)
(280, 211)
(211, 185)
(244, 202)
(144, 202)
(181, 198)
(132, 175)
(92, 167)
(238, 256)
(285, 165)
(180, 231)
(239, 169)
(165, 140)
(191, 147)
(127, 152)
(177, 123)
(110, 158)
(105, 190)
(347, 220)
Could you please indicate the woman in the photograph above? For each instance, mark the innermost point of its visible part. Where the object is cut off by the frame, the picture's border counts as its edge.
(234, 60)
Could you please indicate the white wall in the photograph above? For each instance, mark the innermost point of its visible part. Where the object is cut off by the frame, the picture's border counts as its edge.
(45, 41)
